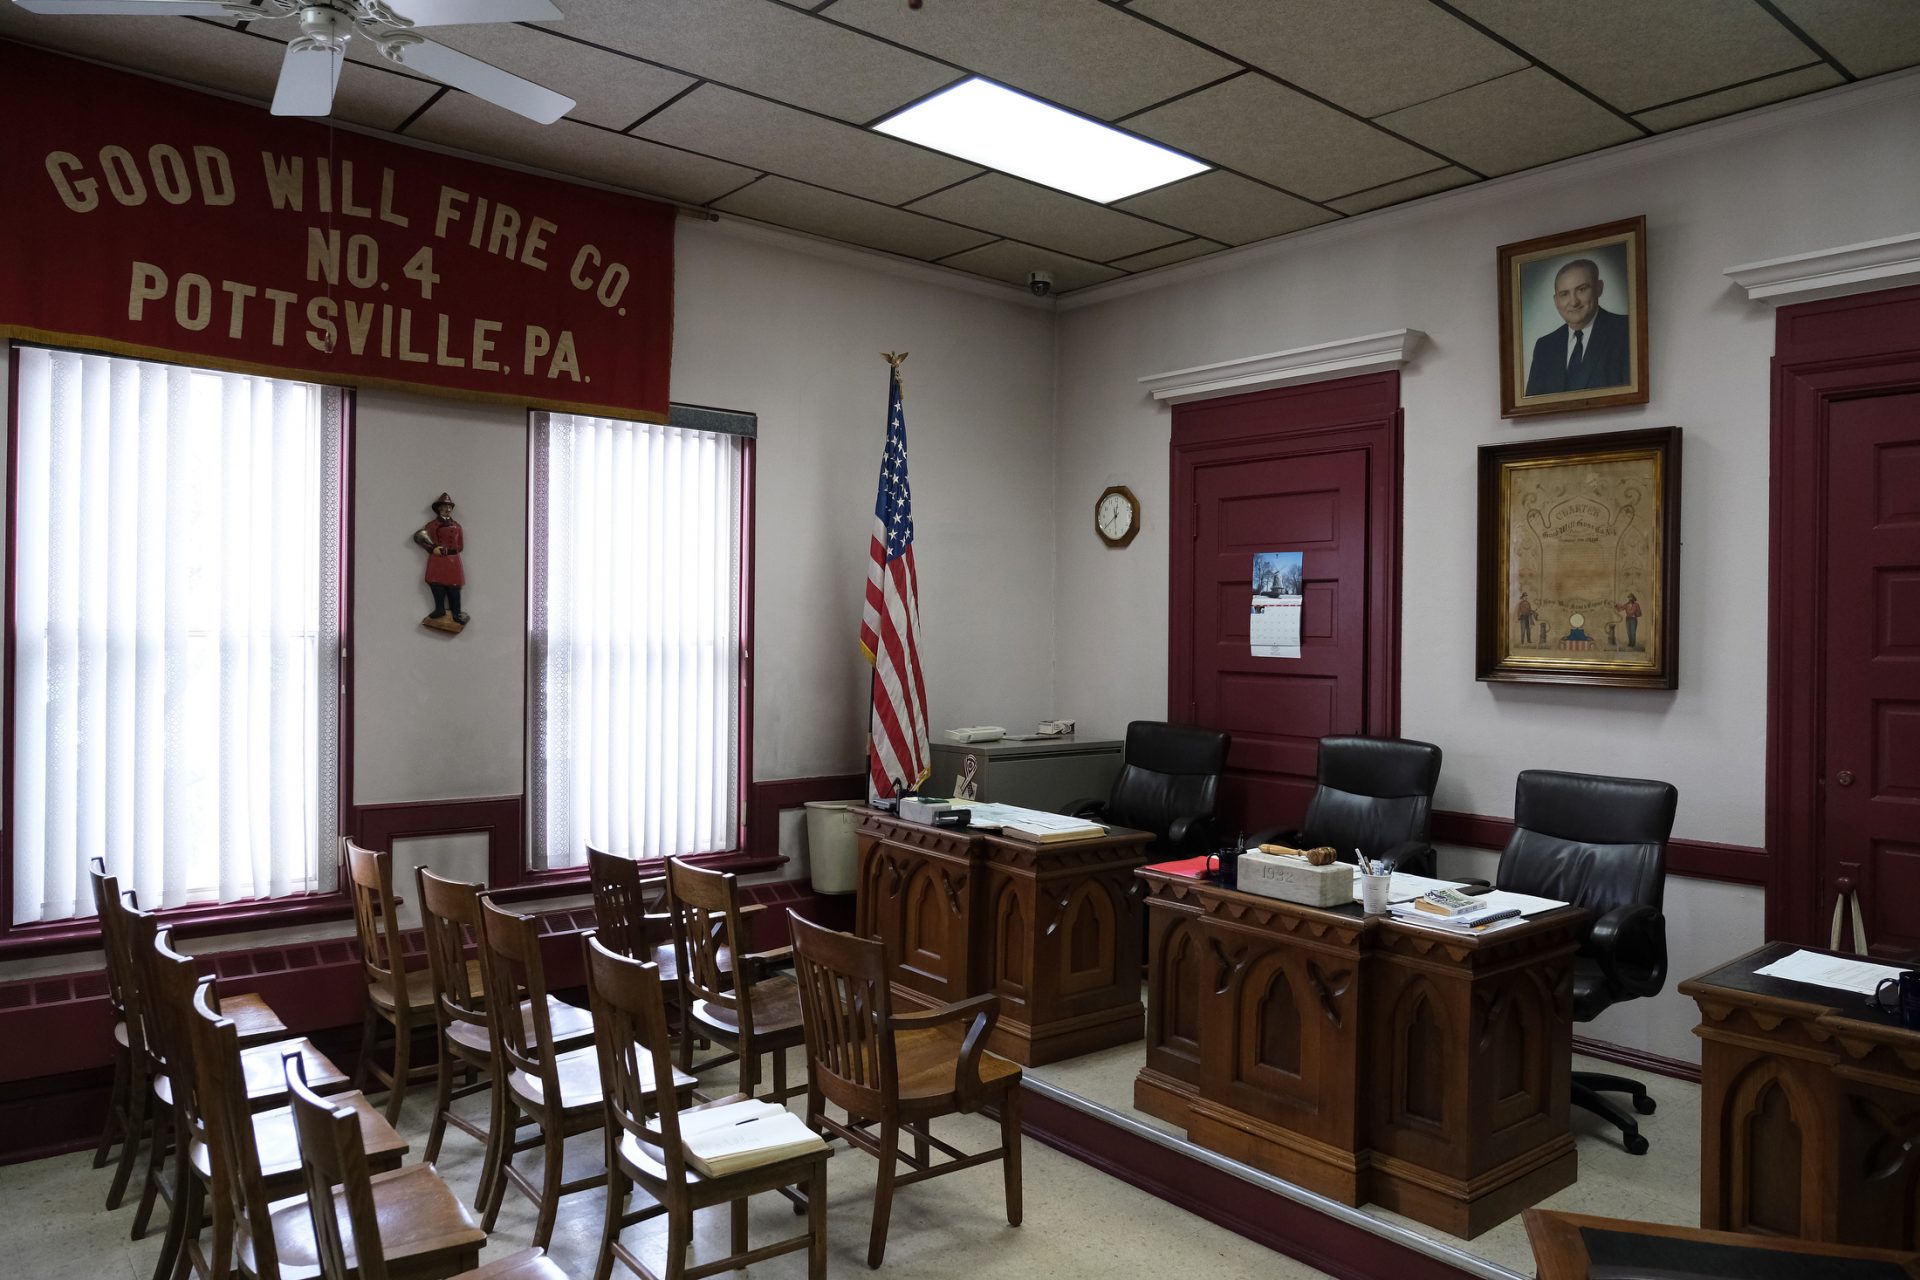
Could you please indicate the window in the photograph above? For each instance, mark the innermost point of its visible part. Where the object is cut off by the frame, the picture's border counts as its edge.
(636, 654)
(176, 656)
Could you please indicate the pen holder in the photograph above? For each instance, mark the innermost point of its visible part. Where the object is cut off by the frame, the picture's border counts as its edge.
(1374, 894)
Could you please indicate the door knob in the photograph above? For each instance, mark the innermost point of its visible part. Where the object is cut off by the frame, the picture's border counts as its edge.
(1844, 777)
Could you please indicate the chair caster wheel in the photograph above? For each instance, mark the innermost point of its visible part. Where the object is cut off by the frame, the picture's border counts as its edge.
(1644, 1105)
(1635, 1144)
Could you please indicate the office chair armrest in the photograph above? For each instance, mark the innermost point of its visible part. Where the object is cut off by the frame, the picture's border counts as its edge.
(1192, 834)
(1087, 807)
(1415, 857)
(968, 1089)
(1630, 943)
(1288, 836)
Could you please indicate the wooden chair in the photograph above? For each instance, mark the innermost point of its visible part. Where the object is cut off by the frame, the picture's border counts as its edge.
(450, 923)
(200, 1068)
(902, 1070)
(559, 1092)
(131, 1107)
(275, 1241)
(162, 1016)
(750, 1011)
(397, 996)
(643, 1136)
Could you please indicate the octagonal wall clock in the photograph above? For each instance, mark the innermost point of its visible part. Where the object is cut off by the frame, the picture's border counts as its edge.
(1116, 516)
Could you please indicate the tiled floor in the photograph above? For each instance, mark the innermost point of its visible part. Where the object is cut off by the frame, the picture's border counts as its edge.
(1661, 1186)
(1079, 1222)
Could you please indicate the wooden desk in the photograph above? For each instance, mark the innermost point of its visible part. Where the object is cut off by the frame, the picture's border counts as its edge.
(1571, 1246)
(1369, 1060)
(1809, 1109)
(1052, 929)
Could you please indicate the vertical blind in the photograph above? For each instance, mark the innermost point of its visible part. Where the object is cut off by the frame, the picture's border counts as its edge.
(635, 653)
(176, 668)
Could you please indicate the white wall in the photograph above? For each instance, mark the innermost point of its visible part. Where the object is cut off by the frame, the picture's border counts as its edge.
(1834, 172)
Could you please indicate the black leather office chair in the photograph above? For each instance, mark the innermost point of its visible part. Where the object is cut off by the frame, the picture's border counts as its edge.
(1169, 783)
(1599, 843)
(1375, 795)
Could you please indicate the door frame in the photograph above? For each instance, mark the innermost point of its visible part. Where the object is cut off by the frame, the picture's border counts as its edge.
(1827, 351)
(1359, 412)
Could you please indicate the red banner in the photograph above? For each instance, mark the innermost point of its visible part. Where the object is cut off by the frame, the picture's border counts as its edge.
(157, 221)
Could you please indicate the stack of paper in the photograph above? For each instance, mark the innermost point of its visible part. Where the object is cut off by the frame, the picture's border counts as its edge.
(1841, 972)
(744, 1135)
(1034, 824)
(1503, 909)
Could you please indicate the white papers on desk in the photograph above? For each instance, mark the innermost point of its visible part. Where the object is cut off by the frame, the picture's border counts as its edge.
(1839, 972)
(1454, 924)
(1034, 823)
(1525, 903)
(1405, 888)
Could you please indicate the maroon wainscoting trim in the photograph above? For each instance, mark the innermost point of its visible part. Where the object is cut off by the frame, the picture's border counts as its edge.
(1695, 859)
(767, 799)
(1286, 1226)
(1626, 1056)
(501, 818)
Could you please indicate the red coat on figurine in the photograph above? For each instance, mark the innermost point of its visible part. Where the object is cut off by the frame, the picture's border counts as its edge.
(444, 541)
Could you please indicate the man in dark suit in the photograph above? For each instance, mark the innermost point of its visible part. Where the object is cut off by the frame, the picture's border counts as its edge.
(1591, 350)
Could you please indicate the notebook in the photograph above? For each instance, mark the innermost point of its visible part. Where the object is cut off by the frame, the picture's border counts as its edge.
(744, 1135)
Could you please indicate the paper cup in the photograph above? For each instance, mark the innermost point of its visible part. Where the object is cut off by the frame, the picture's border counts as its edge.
(1374, 894)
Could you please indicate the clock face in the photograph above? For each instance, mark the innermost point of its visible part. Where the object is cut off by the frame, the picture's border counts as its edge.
(1115, 516)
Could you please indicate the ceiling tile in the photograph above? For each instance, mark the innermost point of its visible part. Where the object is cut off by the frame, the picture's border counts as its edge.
(1515, 122)
(216, 57)
(1275, 134)
(1227, 207)
(1637, 54)
(1867, 36)
(578, 150)
(796, 144)
(1010, 260)
(1065, 50)
(1009, 207)
(1727, 101)
(1370, 56)
(1186, 249)
(610, 90)
(841, 217)
(763, 48)
(1421, 184)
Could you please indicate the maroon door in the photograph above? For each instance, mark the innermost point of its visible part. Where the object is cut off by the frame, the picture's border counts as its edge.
(1843, 733)
(1311, 469)
(1871, 823)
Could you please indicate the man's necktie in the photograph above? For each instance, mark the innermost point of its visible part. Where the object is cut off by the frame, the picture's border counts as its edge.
(1577, 365)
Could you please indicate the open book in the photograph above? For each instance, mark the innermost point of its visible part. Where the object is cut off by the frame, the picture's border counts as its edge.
(743, 1135)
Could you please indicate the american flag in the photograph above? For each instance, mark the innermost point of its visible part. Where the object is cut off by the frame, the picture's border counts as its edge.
(897, 746)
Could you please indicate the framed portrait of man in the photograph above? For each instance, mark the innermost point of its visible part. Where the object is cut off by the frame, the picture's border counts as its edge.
(1573, 320)
(1580, 560)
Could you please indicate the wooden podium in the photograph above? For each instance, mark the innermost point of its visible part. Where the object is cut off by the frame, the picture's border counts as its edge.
(1809, 1109)
(1366, 1059)
(1052, 929)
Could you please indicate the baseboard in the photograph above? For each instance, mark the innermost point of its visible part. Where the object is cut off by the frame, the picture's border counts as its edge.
(1339, 1248)
(1639, 1059)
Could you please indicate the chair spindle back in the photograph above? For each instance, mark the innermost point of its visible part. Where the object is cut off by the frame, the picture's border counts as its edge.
(630, 1029)
(515, 973)
(221, 1092)
(621, 904)
(333, 1154)
(697, 899)
(450, 924)
(846, 1003)
(376, 918)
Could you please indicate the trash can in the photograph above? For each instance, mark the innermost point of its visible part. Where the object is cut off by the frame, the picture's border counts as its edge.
(832, 851)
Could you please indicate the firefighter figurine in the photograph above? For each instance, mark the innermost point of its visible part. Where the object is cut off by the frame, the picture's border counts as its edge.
(443, 541)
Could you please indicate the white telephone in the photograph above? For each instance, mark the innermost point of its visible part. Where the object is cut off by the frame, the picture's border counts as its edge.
(978, 733)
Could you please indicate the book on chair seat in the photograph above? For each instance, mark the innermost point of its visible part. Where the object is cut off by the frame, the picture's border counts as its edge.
(743, 1135)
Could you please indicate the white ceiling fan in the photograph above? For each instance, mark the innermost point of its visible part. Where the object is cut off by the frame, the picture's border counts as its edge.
(311, 70)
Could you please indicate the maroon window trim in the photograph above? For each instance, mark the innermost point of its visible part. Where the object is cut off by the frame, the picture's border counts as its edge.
(83, 933)
(512, 874)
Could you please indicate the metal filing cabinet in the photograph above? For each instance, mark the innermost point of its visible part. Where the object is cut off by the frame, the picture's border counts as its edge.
(1046, 774)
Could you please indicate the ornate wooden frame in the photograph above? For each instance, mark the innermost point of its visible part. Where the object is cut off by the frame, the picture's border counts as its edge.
(1514, 402)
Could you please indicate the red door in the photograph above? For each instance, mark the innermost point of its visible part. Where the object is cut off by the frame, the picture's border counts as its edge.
(1871, 818)
(1312, 469)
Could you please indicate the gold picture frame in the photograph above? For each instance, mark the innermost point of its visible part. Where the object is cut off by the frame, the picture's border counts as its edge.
(1573, 320)
(1580, 560)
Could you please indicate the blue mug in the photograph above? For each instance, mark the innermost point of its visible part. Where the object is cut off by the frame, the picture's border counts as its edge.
(1906, 998)
(1223, 868)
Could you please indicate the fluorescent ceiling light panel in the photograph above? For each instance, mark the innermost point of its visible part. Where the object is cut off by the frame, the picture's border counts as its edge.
(992, 125)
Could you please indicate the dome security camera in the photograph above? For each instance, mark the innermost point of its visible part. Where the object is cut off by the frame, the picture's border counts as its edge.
(1040, 282)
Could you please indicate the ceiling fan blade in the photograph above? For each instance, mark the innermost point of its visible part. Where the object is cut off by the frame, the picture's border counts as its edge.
(129, 8)
(308, 77)
(447, 13)
(486, 81)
